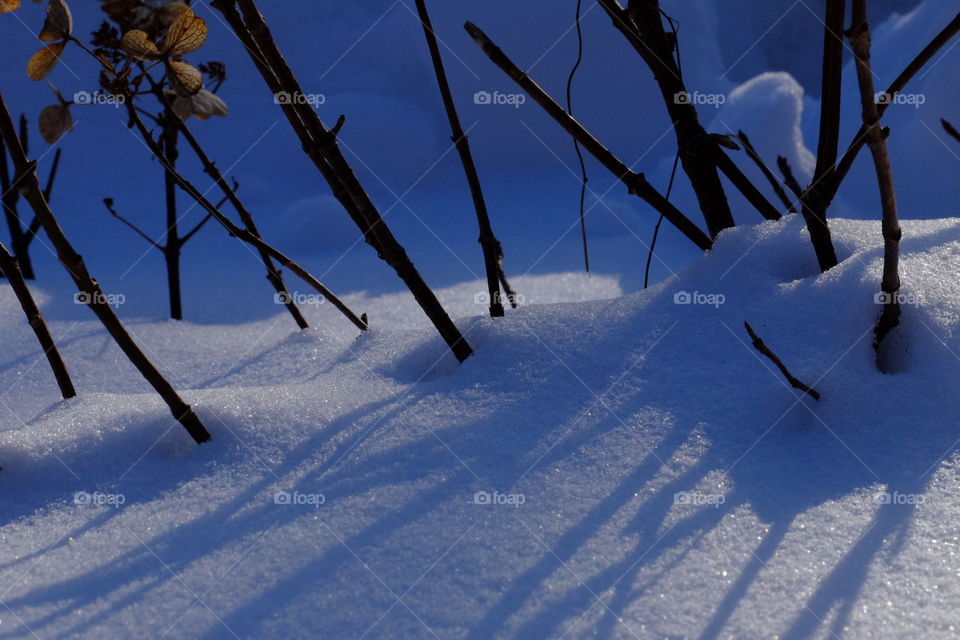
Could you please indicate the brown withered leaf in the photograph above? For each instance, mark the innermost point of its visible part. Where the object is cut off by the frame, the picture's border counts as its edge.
(55, 121)
(6, 6)
(186, 34)
(59, 22)
(138, 44)
(42, 62)
(184, 78)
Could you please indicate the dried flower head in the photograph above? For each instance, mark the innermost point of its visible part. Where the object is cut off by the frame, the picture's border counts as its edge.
(186, 34)
(150, 16)
(57, 29)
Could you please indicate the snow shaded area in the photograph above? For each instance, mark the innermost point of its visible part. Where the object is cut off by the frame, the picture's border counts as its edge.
(651, 474)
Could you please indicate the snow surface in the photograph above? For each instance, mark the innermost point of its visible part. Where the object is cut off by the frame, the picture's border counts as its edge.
(658, 478)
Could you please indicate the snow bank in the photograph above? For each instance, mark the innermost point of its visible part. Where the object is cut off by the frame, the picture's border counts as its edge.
(618, 468)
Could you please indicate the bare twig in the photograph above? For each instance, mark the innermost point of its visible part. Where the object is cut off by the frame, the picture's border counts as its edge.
(950, 129)
(788, 178)
(922, 58)
(745, 187)
(10, 268)
(815, 202)
(890, 283)
(244, 234)
(89, 288)
(765, 170)
(488, 241)
(642, 25)
(108, 203)
(322, 148)
(765, 350)
(636, 182)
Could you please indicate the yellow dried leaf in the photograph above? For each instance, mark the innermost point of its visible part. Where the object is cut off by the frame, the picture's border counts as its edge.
(7, 6)
(186, 34)
(184, 79)
(43, 61)
(54, 121)
(138, 44)
(59, 22)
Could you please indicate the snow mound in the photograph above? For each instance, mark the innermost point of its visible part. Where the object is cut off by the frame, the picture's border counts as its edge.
(617, 468)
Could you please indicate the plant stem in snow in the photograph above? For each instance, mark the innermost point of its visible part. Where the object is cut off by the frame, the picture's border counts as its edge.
(492, 250)
(890, 283)
(765, 350)
(320, 145)
(636, 182)
(765, 170)
(642, 25)
(11, 269)
(91, 292)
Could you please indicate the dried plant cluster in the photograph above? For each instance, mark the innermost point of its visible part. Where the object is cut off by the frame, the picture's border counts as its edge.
(141, 49)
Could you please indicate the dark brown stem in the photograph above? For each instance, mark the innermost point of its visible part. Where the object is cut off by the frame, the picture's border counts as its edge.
(890, 282)
(274, 276)
(636, 182)
(488, 241)
(10, 268)
(765, 350)
(938, 42)
(244, 234)
(642, 25)
(91, 292)
(322, 148)
(745, 187)
(788, 178)
(765, 170)
(950, 129)
(815, 200)
(108, 203)
(172, 244)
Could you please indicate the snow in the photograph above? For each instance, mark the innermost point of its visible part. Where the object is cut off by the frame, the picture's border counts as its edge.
(652, 475)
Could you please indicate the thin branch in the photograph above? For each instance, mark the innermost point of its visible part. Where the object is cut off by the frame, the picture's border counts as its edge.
(642, 25)
(636, 182)
(108, 203)
(949, 128)
(890, 283)
(52, 177)
(10, 268)
(925, 55)
(244, 234)
(745, 187)
(488, 240)
(93, 295)
(203, 222)
(765, 350)
(765, 170)
(322, 148)
(788, 178)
